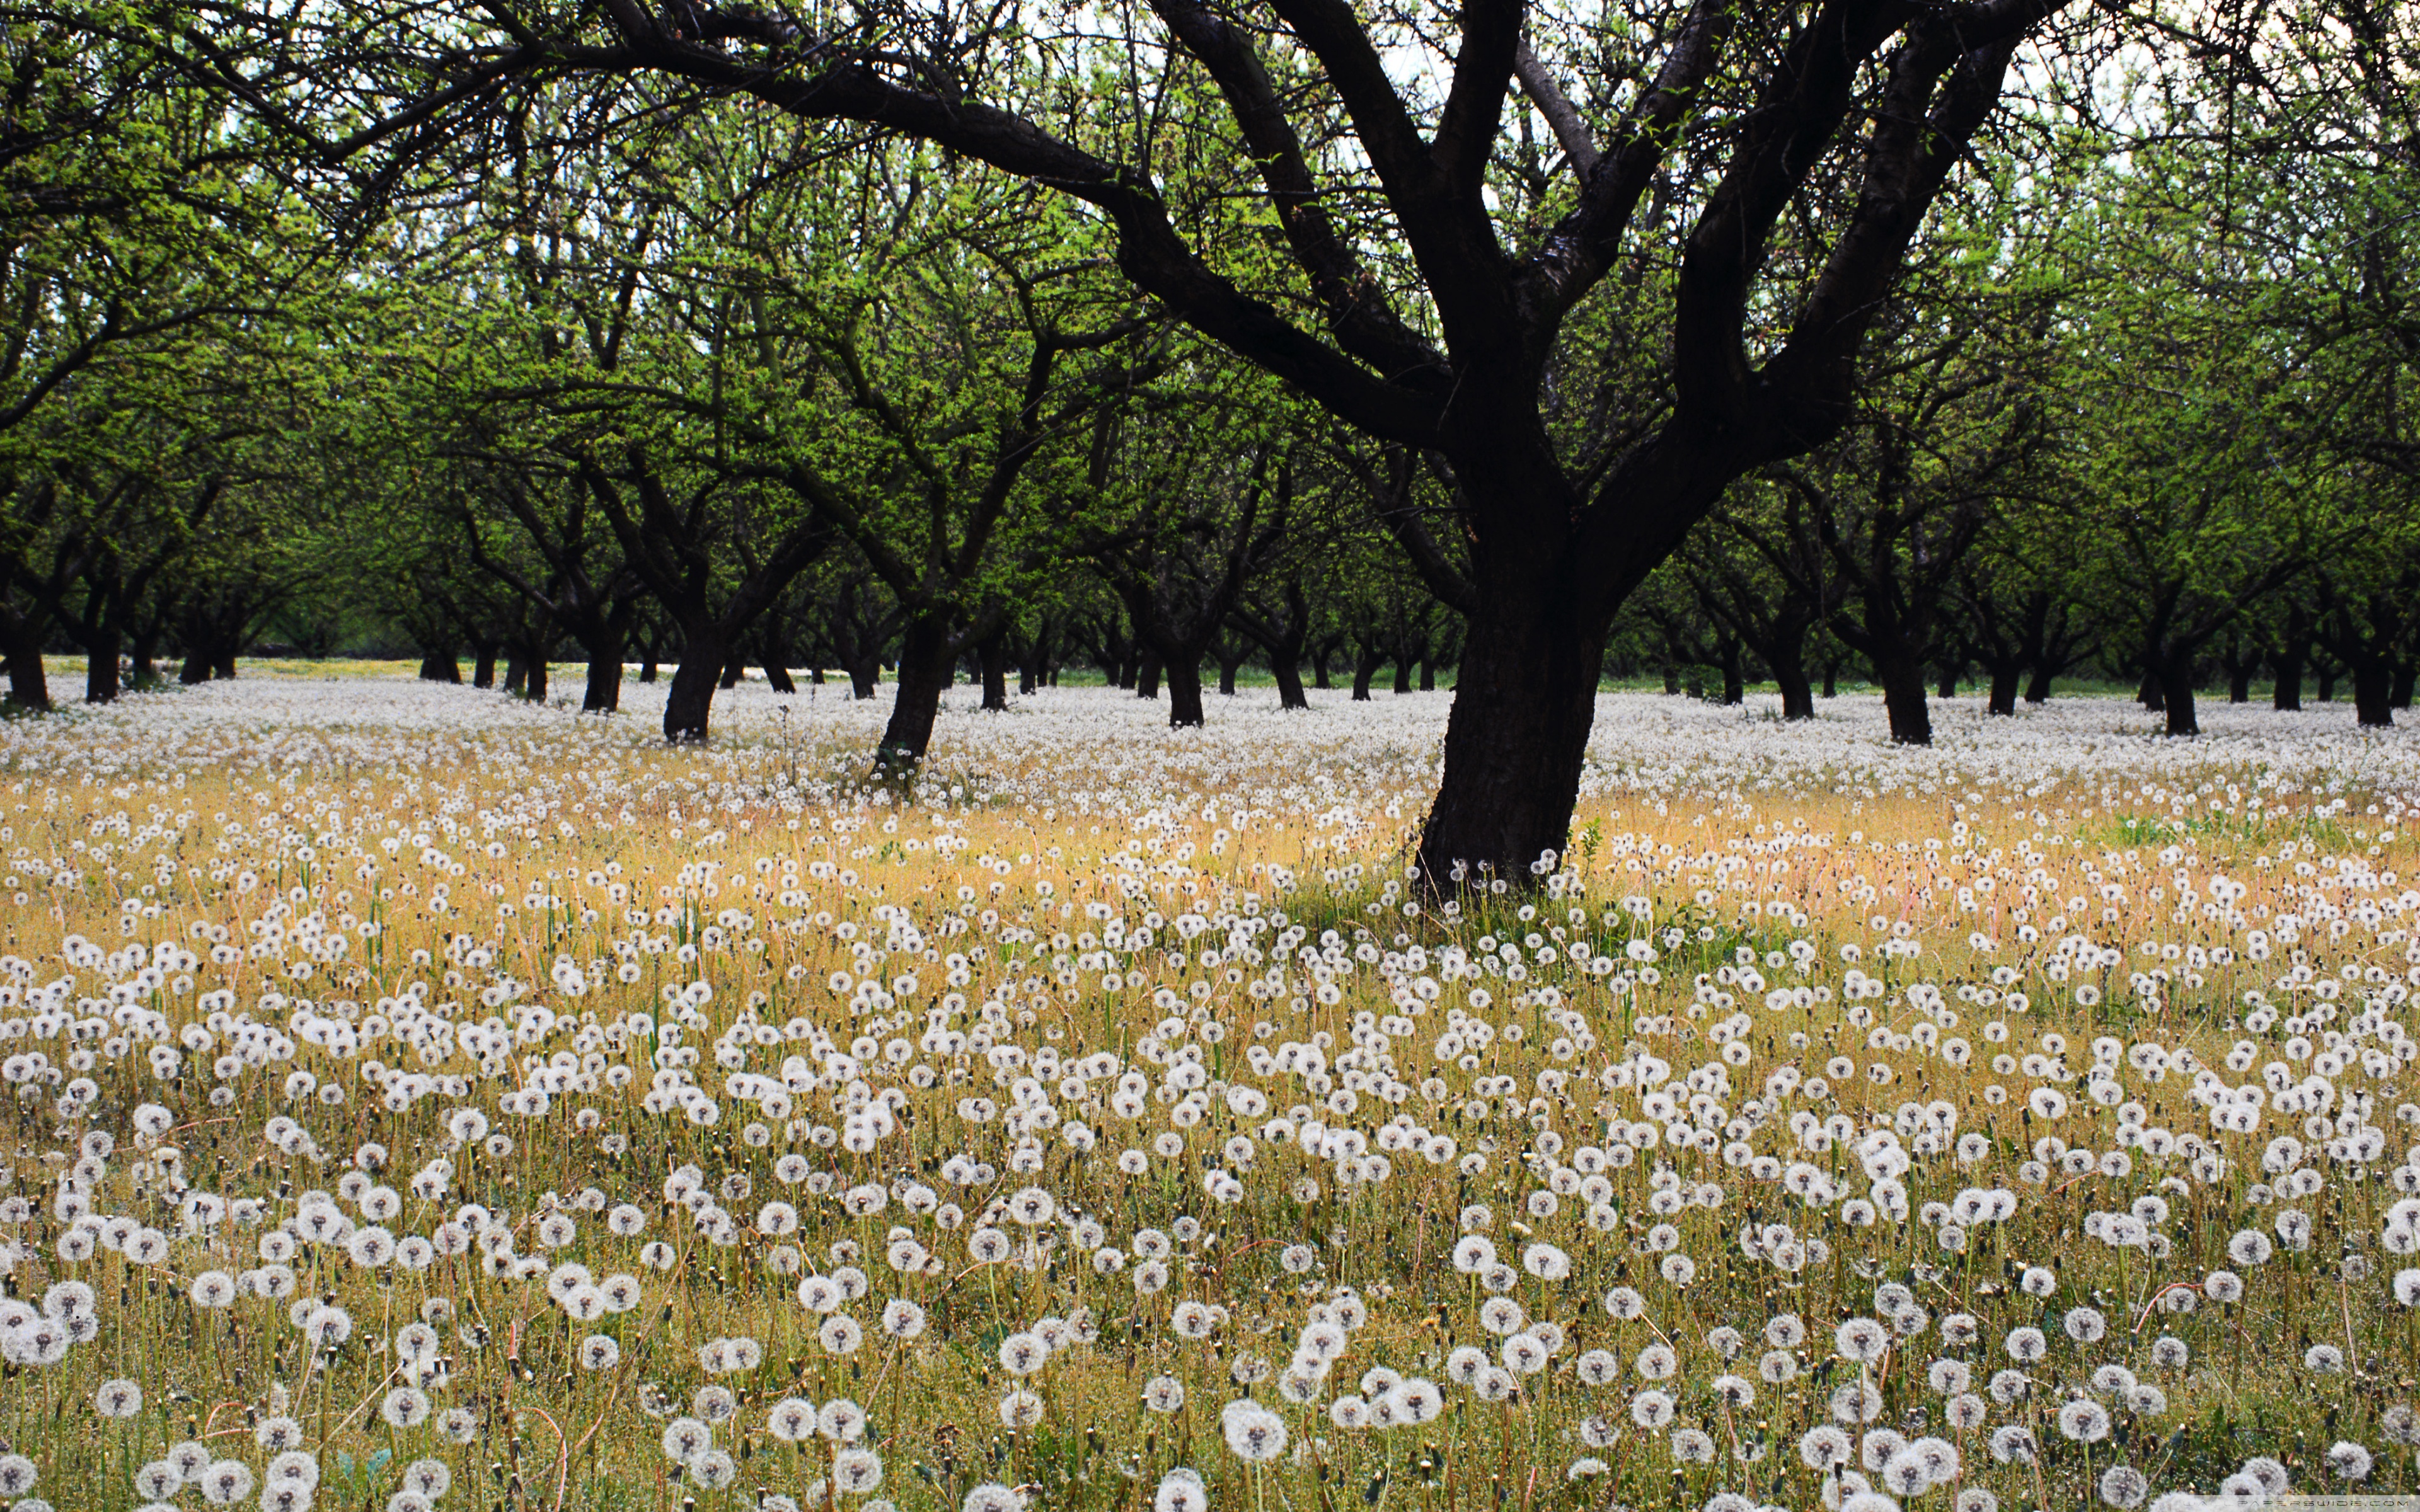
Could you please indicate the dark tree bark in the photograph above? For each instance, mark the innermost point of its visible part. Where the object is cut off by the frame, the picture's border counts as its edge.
(1280, 629)
(1901, 672)
(993, 654)
(668, 552)
(21, 638)
(2367, 631)
(2398, 694)
(437, 665)
(2288, 661)
(2175, 681)
(482, 666)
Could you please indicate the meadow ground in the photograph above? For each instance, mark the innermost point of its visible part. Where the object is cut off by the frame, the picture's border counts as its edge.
(417, 1099)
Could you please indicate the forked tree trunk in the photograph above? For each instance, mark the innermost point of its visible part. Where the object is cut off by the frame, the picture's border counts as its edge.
(437, 665)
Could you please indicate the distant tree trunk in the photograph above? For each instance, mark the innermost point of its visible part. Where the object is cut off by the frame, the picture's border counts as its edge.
(2327, 681)
(195, 668)
(437, 665)
(2038, 684)
(102, 647)
(603, 694)
(2287, 663)
(2238, 682)
(483, 663)
(1147, 670)
(1230, 660)
(143, 656)
(535, 689)
(1365, 669)
(1788, 660)
(2173, 684)
(993, 655)
(1735, 675)
(865, 673)
(2006, 673)
(1832, 678)
(1902, 680)
(223, 664)
(2399, 694)
(1185, 711)
(1951, 672)
(1402, 673)
(733, 667)
(689, 703)
(1672, 679)
(1288, 672)
(2149, 693)
(1428, 675)
(2373, 703)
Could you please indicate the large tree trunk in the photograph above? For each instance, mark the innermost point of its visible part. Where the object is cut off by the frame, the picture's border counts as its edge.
(925, 670)
(689, 703)
(2372, 692)
(1515, 740)
(1903, 679)
(29, 684)
(101, 665)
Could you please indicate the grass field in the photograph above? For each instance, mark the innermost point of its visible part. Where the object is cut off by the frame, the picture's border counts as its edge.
(418, 1099)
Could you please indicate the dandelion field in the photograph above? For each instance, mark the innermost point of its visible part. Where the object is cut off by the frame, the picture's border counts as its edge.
(416, 1098)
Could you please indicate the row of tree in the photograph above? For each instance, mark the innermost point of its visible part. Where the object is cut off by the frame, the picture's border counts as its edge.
(1766, 339)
